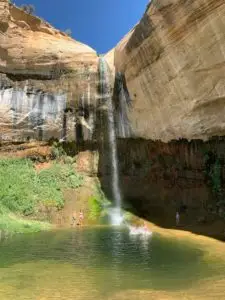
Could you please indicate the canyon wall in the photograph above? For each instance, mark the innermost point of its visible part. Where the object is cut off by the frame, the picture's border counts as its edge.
(47, 79)
(173, 62)
(157, 179)
(168, 84)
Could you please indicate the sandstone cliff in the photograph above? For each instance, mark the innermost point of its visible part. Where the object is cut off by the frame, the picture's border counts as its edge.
(31, 46)
(169, 73)
(46, 78)
(173, 62)
(169, 84)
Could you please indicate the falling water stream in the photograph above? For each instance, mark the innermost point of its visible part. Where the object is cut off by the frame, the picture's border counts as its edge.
(116, 215)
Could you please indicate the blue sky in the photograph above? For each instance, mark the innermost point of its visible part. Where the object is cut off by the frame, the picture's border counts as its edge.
(99, 23)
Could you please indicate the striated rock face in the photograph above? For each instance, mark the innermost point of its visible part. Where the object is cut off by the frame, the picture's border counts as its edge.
(173, 62)
(47, 80)
(172, 68)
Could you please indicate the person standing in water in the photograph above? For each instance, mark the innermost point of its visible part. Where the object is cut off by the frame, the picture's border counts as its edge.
(73, 218)
(81, 217)
(177, 218)
(145, 227)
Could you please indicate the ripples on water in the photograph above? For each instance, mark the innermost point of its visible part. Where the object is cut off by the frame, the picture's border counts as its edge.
(103, 263)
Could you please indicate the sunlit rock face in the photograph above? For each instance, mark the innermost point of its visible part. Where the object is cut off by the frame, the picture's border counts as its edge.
(31, 46)
(171, 66)
(173, 62)
(4, 14)
(64, 108)
(48, 81)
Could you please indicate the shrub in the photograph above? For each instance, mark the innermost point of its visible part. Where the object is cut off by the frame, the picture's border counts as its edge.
(68, 160)
(22, 189)
(68, 32)
(95, 208)
(12, 224)
(57, 150)
(98, 204)
(28, 8)
(17, 180)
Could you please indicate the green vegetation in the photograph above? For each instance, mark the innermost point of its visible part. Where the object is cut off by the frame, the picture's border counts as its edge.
(68, 32)
(98, 204)
(53, 180)
(96, 208)
(57, 150)
(28, 8)
(213, 174)
(128, 216)
(99, 207)
(60, 154)
(11, 223)
(23, 190)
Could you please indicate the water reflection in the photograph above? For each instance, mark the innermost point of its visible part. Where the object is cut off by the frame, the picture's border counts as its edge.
(98, 263)
(117, 257)
(146, 244)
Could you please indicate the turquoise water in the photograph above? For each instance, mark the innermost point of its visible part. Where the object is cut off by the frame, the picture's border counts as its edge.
(99, 263)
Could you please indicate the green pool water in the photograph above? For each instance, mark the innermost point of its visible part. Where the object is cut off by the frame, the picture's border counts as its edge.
(103, 263)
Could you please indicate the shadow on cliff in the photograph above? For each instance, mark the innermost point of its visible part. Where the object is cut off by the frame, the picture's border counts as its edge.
(159, 179)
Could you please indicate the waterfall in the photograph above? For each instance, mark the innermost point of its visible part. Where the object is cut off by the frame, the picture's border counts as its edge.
(116, 214)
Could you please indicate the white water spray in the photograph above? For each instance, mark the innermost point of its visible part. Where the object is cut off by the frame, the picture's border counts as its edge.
(116, 214)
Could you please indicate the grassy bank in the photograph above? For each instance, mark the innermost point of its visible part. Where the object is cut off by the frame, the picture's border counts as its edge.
(24, 192)
(14, 224)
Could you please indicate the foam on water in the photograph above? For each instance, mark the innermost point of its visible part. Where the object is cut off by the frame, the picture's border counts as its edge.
(139, 231)
(116, 216)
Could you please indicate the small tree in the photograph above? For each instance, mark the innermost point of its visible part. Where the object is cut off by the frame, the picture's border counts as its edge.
(68, 32)
(28, 8)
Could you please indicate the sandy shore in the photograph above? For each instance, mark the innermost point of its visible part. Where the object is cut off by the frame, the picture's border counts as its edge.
(211, 246)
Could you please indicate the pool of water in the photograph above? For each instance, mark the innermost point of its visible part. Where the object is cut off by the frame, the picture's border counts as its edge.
(105, 263)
